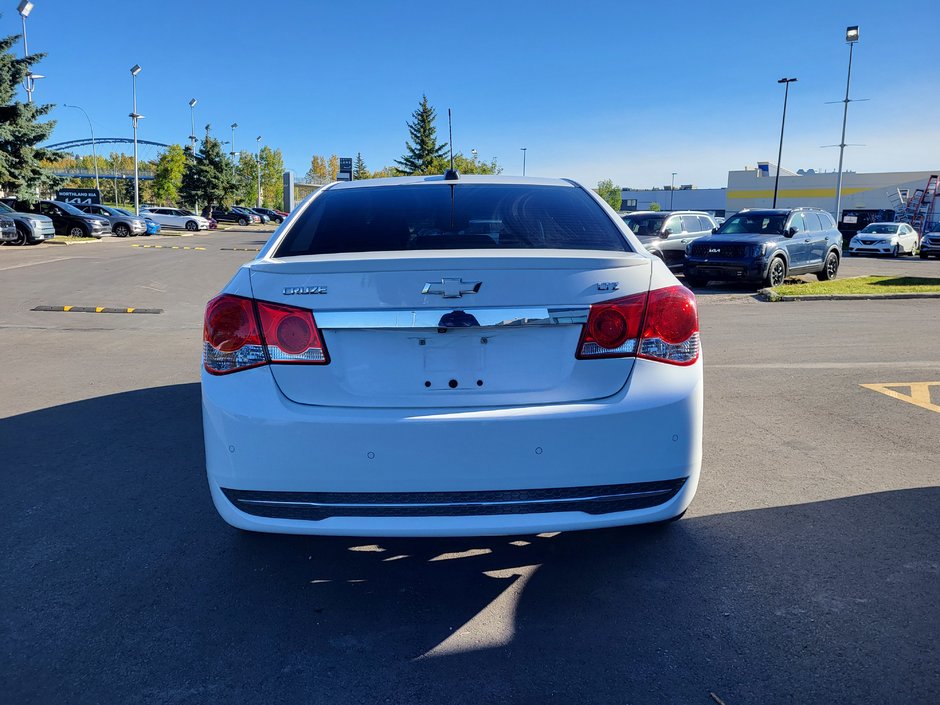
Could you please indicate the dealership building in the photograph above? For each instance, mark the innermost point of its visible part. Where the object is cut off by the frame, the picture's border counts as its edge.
(754, 188)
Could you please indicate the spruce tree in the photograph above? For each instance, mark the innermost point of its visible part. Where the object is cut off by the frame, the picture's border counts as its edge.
(207, 178)
(424, 155)
(21, 173)
(359, 168)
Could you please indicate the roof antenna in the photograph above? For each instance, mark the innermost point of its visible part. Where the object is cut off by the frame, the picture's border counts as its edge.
(450, 174)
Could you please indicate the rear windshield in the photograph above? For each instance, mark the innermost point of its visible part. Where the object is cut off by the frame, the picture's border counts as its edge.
(451, 217)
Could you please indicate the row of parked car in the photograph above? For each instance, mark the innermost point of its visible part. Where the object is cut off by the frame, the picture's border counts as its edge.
(765, 245)
(25, 223)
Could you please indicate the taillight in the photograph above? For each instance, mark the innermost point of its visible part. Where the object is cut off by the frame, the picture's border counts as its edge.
(667, 318)
(239, 334)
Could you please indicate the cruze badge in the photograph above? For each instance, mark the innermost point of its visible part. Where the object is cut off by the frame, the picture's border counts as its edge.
(451, 288)
(292, 290)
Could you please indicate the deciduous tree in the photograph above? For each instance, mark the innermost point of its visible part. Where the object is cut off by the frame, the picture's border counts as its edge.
(610, 193)
(168, 174)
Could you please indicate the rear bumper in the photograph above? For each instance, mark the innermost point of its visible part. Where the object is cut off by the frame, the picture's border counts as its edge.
(648, 434)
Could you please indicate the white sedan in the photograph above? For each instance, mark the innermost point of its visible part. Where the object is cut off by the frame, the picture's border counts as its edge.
(884, 239)
(452, 356)
(176, 218)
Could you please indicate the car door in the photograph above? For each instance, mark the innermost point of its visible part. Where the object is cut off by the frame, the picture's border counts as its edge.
(797, 245)
(816, 236)
(59, 219)
(908, 238)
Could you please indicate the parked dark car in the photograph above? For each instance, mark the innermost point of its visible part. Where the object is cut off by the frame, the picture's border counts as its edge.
(7, 229)
(765, 246)
(66, 218)
(228, 215)
(123, 224)
(666, 235)
(31, 228)
(275, 216)
(255, 217)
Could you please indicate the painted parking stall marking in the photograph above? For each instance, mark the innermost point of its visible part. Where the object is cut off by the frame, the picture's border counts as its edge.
(916, 393)
(241, 249)
(167, 247)
(96, 309)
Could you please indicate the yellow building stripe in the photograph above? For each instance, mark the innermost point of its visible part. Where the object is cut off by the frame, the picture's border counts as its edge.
(794, 193)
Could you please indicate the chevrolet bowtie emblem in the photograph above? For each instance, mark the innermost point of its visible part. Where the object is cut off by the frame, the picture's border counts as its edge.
(451, 288)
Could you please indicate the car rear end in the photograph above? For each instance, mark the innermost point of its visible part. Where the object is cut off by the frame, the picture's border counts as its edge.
(420, 357)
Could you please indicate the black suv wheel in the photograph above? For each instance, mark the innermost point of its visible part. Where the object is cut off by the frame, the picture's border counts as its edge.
(776, 272)
(830, 268)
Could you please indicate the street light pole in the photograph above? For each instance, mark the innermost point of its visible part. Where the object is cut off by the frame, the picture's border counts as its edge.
(786, 90)
(29, 83)
(672, 189)
(192, 119)
(851, 36)
(258, 140)
(135, 69)
(523, 159)
(94, 150)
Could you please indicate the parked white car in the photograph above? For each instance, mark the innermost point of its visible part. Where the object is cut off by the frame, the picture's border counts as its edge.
(430, 356)
(884, 239)
(175, 218)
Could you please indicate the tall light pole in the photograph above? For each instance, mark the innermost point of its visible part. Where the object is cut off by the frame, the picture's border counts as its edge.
(29, 82)
(192, 120)
(851, 36)
(672, 189)
(523, 159)
(94, 150)
(786, 90)
(135, 69)
(258, 140)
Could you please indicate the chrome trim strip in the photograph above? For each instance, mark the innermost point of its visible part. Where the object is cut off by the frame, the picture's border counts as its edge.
(452, 318)
(564, 500)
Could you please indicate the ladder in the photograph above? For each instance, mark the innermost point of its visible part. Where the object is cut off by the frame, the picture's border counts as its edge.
(919, 211)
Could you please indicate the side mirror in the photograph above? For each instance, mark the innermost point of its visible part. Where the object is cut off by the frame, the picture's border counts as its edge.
(664, 233)
(715, 229)
(791, 231)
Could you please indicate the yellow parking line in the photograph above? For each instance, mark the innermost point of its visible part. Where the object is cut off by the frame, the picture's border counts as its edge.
(130, 310)
(66, 308)
(99, 309)
(919, 396)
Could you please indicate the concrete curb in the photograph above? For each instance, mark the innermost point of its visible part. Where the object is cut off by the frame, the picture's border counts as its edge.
(86, 241)
(771, 295)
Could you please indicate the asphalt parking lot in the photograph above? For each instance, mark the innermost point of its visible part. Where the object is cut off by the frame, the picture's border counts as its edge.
(805, 571)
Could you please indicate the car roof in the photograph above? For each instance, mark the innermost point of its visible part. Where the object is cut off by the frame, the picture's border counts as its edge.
(781, 211)
(667, 213)
(885, 222)
(461, 179)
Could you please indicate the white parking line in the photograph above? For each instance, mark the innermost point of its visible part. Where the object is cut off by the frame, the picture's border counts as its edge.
(30, 264)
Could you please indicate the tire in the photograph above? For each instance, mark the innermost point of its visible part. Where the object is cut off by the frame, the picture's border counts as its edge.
(22, 237)
(243, 222)
(192, 225)
(78, 231)
(896, 251)
(278, 221)
(776, 272)
(121, 230)
(830, 268)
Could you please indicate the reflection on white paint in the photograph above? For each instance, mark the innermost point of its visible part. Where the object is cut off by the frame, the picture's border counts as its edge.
(495, 624)
(520, 543)
(372, 548)
(395, 558)
(548, 534)
(461, 554)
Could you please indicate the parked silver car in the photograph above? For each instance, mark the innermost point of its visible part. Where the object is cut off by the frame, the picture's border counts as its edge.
(122, 223)
(31, 228)
(667, 234)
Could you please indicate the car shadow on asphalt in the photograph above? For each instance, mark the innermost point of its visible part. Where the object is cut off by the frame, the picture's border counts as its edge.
(123, 585)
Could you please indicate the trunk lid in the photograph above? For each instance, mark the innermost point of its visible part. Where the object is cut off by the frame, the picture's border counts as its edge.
(433, 329)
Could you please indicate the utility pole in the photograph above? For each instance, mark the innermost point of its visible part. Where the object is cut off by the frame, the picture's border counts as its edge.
(851, 37)
(135, 69)
(786, 91)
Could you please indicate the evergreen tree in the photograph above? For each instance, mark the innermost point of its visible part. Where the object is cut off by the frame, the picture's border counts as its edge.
(424, 155)
(208, 177)
(21, 172)
(359, 168)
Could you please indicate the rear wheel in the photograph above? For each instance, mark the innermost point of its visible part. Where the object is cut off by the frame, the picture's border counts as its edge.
(830, 269)
(121, 230)
(776, 272)
(192, 225)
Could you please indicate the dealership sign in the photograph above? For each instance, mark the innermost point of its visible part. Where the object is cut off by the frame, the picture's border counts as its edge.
(78, 196)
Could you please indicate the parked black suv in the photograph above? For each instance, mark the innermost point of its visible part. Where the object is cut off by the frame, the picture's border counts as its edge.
(765, 246)
(66, 218)
(229, 215)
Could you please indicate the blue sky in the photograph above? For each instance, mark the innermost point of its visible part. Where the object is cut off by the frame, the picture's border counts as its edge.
(594, 90)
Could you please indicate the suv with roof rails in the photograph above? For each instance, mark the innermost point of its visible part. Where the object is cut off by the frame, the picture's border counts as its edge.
(766, 245)
(666, 235)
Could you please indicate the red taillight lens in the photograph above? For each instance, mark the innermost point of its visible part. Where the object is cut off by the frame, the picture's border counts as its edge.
(291, 334)
(230, 336)
(612, 328)
(668, 319)
(240, 334)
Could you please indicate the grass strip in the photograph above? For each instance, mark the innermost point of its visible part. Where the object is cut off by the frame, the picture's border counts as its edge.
(863, 285)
